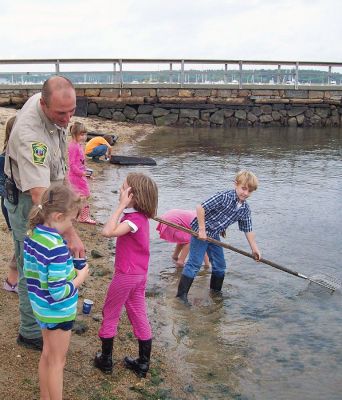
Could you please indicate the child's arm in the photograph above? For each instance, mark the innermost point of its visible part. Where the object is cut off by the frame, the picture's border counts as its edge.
(113, 227)
(82, 275)
(251, 240)
(202, 234)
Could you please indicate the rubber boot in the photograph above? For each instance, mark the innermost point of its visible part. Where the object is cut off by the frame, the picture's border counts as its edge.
(183, 288)
(85, 216)
(216, 283)
(142, 364)
(103, 360)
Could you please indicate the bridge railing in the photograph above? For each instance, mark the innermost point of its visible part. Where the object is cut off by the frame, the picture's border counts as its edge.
(173, 72)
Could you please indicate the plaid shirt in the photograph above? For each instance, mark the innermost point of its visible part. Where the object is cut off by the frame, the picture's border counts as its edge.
(221, 211)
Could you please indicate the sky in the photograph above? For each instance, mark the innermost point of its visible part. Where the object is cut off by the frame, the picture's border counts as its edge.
(295, 30)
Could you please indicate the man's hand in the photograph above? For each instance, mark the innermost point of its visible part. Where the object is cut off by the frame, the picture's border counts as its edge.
(74, 243)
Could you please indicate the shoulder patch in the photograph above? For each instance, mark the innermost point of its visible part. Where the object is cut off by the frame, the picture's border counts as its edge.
(39, 152)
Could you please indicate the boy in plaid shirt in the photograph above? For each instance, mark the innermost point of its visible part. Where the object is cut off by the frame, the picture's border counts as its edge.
(213, 218)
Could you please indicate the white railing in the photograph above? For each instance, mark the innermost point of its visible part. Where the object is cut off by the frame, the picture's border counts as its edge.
(173, 72)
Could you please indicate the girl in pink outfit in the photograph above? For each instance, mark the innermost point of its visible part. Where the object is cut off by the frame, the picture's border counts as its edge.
(77, 173)
(173, 235)
(138, 202)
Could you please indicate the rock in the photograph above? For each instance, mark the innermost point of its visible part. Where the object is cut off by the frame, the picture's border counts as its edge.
(160, 112)
(217, 117)
(80, 327)
(96, 254)
(118, 116)
(144, 119)
(106, 113)
(129, 112)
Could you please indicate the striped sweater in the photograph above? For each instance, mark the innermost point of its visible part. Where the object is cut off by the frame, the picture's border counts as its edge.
(49, 271)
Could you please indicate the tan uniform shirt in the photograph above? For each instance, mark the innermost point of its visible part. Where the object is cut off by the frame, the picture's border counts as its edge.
(37, 148)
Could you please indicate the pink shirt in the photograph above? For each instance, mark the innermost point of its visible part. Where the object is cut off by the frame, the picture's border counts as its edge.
(76, 162)
(179, 217)
(133, 249)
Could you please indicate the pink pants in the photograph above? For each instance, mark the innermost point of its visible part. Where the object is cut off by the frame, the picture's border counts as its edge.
(129, 291)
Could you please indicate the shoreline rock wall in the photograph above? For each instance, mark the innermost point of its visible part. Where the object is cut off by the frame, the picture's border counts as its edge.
(203, 107)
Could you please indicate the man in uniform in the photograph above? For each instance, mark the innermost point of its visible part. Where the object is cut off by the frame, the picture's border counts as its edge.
(35, 159)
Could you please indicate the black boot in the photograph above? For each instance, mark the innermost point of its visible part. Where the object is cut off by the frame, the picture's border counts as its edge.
(216, 282)
(103, 360)
(142, 364)
(184, 287)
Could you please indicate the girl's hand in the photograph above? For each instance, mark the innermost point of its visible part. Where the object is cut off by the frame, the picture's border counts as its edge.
(125, 197)
(82, 275)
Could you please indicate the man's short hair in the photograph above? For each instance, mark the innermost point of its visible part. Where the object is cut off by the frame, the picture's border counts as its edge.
(49, 85)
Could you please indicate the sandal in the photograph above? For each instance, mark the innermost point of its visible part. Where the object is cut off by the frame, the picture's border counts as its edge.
(10, 288)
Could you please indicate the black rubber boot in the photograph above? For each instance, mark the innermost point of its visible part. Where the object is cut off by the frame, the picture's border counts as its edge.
(103, 360)
(142, 364)
(216, 283)
(184, 287)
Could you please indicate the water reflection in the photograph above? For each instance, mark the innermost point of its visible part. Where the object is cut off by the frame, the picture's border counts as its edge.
(271, 335)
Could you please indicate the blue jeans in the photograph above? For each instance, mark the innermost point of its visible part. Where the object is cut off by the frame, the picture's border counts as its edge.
(98, 151)
(198, 248)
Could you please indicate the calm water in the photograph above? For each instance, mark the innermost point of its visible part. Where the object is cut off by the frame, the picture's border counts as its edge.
(271, 335)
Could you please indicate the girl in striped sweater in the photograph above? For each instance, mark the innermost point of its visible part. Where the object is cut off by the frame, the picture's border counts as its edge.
(52, 282)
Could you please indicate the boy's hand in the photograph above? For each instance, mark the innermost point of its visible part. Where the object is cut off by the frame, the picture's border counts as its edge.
(256, 254)
(202, 234)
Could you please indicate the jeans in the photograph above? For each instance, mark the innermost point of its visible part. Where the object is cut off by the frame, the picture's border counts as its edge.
(98, 151)
(18, 216)
(198, 248)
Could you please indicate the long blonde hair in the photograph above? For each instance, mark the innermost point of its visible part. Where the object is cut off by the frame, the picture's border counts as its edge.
(145, 193)
(58, 198)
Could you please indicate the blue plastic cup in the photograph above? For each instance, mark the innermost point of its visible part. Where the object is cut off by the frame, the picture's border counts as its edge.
(79, 263)
(87, 304)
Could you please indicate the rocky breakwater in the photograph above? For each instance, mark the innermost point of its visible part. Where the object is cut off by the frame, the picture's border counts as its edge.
(204, 107)
(218, 107)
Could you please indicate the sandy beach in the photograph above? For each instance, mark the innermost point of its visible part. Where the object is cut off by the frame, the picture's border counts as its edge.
(18, 366)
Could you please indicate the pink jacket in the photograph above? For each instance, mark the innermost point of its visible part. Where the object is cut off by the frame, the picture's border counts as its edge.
(76, 160)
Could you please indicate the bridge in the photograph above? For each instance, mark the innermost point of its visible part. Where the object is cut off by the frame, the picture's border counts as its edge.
(190, 92)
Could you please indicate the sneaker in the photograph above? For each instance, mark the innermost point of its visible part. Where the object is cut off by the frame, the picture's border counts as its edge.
(10, 288)
(34, 344)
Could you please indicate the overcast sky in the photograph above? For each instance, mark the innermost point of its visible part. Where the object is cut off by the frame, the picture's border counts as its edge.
(304, 30)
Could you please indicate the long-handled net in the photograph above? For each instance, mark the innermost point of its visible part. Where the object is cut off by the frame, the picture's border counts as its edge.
(326, 281)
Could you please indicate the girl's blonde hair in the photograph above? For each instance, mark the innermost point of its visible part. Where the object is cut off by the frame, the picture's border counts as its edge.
(58, 198)
(8, 130)
(247, 178)
(145, 193)
(76, 129)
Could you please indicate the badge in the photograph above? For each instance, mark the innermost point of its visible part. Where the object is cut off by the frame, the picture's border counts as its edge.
(39, 151)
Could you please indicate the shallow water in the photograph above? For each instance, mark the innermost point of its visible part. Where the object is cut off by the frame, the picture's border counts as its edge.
(270, 335)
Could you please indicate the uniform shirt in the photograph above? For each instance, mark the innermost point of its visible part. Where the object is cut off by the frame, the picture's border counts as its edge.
(133, 249)
(94, 142)
(37, 148)
(222, 210)
(49, 271)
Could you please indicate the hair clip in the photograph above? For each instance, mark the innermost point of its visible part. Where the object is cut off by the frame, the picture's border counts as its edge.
(40, 206)
(50, 197)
